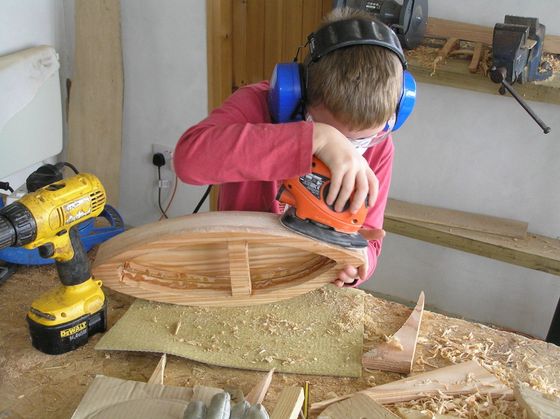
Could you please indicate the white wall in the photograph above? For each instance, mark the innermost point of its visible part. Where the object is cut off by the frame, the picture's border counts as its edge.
(481, 153)
(164, 52)
(28, 23)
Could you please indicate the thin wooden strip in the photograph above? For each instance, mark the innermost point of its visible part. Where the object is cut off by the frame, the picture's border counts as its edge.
(258, 393)
(273, 35)
(157, 375)
(255, 41)
(293, 21)
(475, 60)
(239, 44)
(406, 211)
(239, 271)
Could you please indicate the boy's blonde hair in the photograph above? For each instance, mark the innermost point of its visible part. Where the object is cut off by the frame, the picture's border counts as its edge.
(360, 85)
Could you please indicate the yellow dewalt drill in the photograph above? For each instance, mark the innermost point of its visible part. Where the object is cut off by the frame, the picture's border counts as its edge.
(64, 318)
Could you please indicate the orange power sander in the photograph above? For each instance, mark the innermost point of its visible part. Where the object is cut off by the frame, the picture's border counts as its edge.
(310, 215)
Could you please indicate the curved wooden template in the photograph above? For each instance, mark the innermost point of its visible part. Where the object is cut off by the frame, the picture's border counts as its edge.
(397, 355)
(218, 258)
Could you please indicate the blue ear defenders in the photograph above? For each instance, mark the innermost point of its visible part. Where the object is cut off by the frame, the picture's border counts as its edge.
(286, 96)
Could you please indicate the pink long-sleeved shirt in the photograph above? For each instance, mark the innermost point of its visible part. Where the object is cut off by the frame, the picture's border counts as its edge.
(238, 147)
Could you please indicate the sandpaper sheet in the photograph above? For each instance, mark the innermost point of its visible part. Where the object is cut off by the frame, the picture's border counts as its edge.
(317, 333)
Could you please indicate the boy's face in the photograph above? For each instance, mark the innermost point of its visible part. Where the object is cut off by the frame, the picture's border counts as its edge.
(323, 115)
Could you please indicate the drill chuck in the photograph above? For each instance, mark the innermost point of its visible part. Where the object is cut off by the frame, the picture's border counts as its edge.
(7, 233)
(22, 223)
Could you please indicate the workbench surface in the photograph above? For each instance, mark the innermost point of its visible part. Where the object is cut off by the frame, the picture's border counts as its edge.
(35, 385)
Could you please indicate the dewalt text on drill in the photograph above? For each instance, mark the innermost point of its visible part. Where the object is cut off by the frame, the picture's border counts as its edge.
(64, 318)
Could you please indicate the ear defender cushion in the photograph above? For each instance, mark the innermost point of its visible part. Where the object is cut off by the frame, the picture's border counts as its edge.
(407, 100)
(285, 93)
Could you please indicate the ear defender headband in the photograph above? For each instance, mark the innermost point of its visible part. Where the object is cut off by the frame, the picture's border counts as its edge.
(287, 92)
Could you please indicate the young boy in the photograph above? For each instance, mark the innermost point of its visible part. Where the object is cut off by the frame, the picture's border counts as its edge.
(351, 96)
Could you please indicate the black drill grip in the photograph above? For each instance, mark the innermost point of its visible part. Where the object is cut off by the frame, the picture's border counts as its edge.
(76, 270)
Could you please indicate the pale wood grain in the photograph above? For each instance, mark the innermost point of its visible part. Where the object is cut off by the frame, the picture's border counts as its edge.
(397, 355)
(258, 392)
(157, 375)
(188, 260)
(359, 406)
(537, 404)
(96, 96)
(289, 403)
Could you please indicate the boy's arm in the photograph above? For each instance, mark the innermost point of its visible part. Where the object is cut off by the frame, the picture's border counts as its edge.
(374, 219)
(237, 142)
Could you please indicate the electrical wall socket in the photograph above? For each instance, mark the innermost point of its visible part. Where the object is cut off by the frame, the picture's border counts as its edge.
(167, 152)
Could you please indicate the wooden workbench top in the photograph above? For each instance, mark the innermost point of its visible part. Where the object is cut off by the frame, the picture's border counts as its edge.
(35, 385)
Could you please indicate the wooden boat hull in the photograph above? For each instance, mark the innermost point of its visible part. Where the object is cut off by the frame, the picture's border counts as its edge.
(218, 258)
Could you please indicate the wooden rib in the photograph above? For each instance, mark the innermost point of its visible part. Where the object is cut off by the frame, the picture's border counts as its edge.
(358, 406)
(442, 28)
(157, 375)
(257, 393)
(289, 404)
(185, 260)
(397, 354)
(466, 378)
(475, 60)
(239, 272)
(537, 404)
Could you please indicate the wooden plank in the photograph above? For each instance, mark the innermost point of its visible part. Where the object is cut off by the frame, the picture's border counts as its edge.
(406, 211)
(289, 403)
(273, 35)
(538, 405)
(220, 51)
(255, 41)
(312, 14)
(475, 60)
(96, 97)
(240, 274)
(397, 354)
(239, 44)
(359, 406)
(293, 26)
(466, 378)
(258, 393)
(443, 28)
(185, 260)
(535, 252)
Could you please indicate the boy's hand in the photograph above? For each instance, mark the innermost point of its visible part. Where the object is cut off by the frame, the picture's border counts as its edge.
(350, 172)
(349, 274)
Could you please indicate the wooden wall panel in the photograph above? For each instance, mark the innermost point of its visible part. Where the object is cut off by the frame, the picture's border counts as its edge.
(247, 38)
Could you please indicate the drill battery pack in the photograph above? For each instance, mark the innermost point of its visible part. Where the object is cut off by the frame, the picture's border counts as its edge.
(65, 337)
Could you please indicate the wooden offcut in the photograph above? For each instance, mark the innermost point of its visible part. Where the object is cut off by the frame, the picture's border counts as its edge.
(397, 355)
(466, 378)
(257, 393)
(220, 259)
(96, 97)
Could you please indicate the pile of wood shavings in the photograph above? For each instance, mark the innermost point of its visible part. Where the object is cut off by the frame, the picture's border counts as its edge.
(444, 341)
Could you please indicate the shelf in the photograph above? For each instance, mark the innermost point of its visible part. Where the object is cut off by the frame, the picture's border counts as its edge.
(533, 251)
